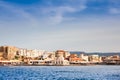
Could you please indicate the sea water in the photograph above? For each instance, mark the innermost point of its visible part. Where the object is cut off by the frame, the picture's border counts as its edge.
(60, 73)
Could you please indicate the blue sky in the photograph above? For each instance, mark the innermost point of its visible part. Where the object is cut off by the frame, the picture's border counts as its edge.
(82, 25)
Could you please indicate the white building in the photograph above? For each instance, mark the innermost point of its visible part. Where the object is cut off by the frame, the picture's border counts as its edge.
(60, 61)
(30, 53)
(37, 53)
(22, 52)
(84, 57)
(47, 54)
(95, 58)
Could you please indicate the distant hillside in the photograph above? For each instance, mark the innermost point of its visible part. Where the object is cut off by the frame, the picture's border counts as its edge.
(98, 53)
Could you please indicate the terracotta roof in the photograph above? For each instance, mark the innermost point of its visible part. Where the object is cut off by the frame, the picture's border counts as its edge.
(60, 51)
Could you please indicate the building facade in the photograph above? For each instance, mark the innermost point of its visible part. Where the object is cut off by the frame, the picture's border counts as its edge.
(9, 52)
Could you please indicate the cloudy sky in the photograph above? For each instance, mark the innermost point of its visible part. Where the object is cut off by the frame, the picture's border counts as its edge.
(82, 25)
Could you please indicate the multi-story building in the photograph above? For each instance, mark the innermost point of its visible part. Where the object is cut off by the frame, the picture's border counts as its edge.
(74, 59)
(1, 55)
(63, 53)
(22, 52)
(9, 52)
(95, 58)
(51, 55)
(61, 56)
(30, 53)
(115, 59)
(84, 57)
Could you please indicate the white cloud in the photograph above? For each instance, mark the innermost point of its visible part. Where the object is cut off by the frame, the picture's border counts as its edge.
(114, 7)
(52, 14)
(114, 10)
(19, 12)
(56, 14)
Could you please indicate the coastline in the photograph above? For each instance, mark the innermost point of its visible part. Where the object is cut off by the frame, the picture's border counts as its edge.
(61, 65)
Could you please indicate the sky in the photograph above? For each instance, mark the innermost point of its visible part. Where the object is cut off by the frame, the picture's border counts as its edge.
(73, 25)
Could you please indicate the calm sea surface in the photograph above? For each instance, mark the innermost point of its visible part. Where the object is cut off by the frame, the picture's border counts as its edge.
(60, 73)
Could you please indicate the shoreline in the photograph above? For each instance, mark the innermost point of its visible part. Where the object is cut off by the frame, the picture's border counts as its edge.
(65, 65)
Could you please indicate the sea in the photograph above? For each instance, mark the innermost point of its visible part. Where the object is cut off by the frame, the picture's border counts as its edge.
(94, 72)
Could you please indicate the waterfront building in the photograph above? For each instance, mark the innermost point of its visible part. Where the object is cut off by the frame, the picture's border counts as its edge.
(74, 59)
(9, 52)
(103, 58)
(46, 54)
(115, 59)
(60, 57)
(37, 53)
(22, 52)
(63, 53)
(30, 53)
(84, 57)
(52, 55)
(1, 56)
(60, 61)
(94, 59)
